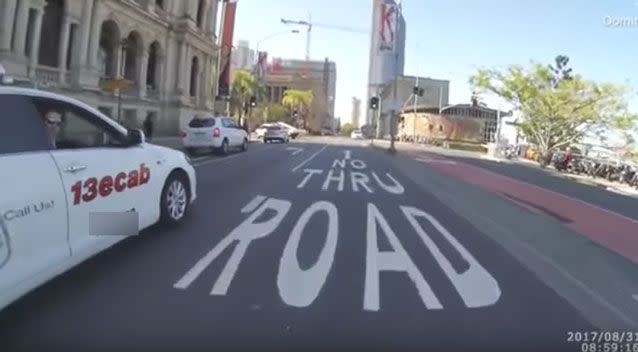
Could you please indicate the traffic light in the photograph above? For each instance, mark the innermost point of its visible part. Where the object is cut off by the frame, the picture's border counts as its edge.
(253, 101)
(374, 103)
(295, 113)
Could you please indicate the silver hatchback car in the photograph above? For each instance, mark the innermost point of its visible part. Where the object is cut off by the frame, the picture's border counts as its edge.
(276, 133)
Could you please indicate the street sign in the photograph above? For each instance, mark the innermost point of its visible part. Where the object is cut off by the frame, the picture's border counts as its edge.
(118, 83)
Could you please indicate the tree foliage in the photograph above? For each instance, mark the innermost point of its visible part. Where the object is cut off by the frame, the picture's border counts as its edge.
(346, 129)
(277, 112)
(244, 86)
(298, 99)
(559, 108)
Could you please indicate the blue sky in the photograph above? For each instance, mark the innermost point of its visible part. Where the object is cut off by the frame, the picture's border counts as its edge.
(450, 39)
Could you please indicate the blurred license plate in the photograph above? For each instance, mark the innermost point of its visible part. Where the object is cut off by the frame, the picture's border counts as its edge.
(199, 135)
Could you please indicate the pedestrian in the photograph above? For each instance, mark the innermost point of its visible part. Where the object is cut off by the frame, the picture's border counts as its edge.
(148, 126)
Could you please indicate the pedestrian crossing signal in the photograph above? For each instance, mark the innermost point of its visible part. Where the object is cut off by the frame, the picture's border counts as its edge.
(253, 102)
(374, 103)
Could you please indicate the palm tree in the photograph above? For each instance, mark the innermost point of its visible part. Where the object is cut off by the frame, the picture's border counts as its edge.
(298, 99)
(244, 86)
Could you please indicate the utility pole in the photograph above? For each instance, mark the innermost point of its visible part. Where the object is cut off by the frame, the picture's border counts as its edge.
(392, 114)
(416, 97)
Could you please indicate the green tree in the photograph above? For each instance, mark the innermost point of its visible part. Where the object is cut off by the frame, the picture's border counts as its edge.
(558, 108)
(277, 112)
(346, 129)
(298, 99)
(244, 86)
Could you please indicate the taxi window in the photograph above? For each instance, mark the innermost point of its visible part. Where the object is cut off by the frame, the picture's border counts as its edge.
(196, 123)
(228, 123)
(22, 129)
(78, 128)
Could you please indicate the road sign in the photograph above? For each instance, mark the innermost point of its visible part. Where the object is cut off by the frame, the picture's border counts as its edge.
(118, 83)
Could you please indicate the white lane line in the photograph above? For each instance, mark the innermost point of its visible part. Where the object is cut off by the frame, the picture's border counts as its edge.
(635, 297)
(253, 204)
(210, 161)
(310, 158)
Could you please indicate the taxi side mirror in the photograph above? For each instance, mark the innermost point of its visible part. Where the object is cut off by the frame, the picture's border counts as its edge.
(135, 137)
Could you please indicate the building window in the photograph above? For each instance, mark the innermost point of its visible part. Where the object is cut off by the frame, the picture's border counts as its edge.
(440, 128)
(109, 44)
(50, 33)
(194, 74)
(200, 13)
(159, 4)
(132, 50)
(152, 73)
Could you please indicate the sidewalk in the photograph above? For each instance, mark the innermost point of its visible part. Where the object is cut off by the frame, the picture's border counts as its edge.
(596, 182)
(170, 142)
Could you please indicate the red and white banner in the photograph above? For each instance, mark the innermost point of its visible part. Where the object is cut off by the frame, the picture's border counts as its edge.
(387, 26)
(228, 28)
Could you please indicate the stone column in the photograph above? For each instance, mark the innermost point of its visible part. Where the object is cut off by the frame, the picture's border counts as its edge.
(21, 27)
(35, 41)
(64, 46)
(89, 35)
(143, 69)
(181, 69)
(8, 11)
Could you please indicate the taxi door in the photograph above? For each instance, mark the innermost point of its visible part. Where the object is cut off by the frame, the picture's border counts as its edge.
(100, 174)
(33, 222)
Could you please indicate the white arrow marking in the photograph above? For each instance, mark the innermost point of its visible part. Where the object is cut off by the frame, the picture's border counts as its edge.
(295, 150)
(430, 160)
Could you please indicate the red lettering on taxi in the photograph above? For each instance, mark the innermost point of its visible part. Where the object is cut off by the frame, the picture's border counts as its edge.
(91, 188)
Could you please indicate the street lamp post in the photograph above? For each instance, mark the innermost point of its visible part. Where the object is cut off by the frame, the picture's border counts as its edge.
(271, 36)
(123, 45)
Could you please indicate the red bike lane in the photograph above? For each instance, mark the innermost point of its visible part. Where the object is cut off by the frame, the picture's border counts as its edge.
(614, 231)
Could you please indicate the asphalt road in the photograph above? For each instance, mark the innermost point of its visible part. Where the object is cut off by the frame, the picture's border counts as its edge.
(280, 251)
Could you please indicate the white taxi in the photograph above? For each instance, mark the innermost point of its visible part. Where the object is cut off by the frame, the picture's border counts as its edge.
(73, 183)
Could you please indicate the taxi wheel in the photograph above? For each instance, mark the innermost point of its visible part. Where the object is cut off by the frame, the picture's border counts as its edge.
(244, 146)
(175, 199)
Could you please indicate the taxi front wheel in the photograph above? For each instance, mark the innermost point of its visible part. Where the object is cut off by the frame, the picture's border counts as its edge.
(174, 202)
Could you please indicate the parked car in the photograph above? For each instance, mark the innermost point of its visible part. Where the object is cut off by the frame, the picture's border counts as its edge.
(261, 130)
(74, 183)
(276, 133)
(216, 133)
(356, 134)
(293, 131)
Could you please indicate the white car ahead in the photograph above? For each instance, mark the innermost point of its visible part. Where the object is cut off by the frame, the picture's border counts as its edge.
(356, 134)
(261, 130)
(217, 133)
(276, 133)
(73, 183)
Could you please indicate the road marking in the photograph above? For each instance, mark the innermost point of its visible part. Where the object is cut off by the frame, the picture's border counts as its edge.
(396, 260)
(253, 204)
(635, 297)
(300, 287)
(295, 150)
(248, 231)
(210, 161)
(310, 158)
(347, 154)
(431, 160)
(475, 285)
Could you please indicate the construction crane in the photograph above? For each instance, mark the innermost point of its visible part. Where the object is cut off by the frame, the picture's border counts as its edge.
(309, 24)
